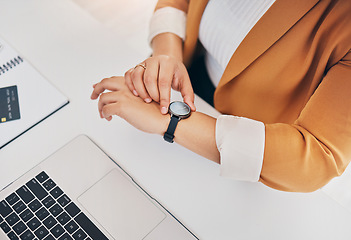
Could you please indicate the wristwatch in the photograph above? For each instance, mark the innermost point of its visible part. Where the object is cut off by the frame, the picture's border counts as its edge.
(178, 111)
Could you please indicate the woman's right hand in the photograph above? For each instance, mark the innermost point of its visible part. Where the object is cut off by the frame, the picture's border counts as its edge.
(154, 82)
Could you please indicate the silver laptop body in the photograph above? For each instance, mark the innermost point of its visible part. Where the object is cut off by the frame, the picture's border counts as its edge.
(80, 193)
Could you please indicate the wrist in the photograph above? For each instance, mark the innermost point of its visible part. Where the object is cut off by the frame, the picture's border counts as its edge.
(163, 124)
(178, 110)
(168, 44)
(168, 55)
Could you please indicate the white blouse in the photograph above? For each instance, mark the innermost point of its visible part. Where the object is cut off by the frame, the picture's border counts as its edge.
(224, 25)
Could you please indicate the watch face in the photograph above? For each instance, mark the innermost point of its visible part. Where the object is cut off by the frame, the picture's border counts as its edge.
(179, 109)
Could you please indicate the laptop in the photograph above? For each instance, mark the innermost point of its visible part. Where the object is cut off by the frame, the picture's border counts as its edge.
(79, 192)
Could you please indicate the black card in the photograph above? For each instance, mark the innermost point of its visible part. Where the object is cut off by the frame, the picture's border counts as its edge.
(9, 106)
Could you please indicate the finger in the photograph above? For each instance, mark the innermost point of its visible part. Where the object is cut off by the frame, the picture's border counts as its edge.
(112, 84)
(97, 90)
(187, 92)
(165, 78)
(150, 79)
(109, 110)
(138, 82)
(129, 83)
(107, 98)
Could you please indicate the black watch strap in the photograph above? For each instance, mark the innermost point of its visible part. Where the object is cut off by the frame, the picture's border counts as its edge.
(169, 134)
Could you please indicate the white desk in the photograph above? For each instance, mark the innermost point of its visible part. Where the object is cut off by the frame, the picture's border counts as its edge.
(74, 50)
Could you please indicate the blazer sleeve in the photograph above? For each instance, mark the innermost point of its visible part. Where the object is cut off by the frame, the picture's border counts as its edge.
(306, 155)
(179, 4)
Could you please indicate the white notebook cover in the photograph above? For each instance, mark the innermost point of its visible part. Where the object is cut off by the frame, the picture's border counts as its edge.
(37, 98)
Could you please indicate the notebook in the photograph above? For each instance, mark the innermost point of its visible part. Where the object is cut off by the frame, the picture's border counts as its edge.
(81, 193)
(26, 97)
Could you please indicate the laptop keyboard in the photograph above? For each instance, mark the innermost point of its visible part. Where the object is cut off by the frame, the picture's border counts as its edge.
(41, 210)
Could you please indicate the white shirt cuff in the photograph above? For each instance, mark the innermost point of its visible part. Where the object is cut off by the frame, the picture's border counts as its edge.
(167, 19)
(240, 142)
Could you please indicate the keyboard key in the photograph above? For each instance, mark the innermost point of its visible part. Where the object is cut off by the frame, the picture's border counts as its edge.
(71, 227)
(64, 200)
(50, 222)
(35, 205)
(12, 219)
(34, 224)
(72, 209)
(12, 199)
(11, 235)
(5, 227)
(26, 215)
(5, 209)
(25, 194)
(19, 227)
(49, 184)
(37, 189)
(89, 227)
(41, 177)
(19, 207)
(56, 192)
(63, 218)
(79, 235)
(49, 237)
(41, 232)
(48, 201)
(42, 213)
(27, 235)
(57, 231)
(55, 210)
(65, 237)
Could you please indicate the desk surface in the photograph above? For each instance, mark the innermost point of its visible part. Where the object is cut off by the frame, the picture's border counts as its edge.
(74, 48)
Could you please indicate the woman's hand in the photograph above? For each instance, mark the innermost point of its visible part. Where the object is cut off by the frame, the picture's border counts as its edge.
(196, 133)
(154, 82)
(121, 102)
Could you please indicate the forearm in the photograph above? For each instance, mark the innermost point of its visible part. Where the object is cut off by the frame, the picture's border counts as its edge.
(196, 133)
(168, 44)
(179, 4)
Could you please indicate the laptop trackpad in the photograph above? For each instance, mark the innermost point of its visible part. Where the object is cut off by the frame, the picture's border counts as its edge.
(121, 208)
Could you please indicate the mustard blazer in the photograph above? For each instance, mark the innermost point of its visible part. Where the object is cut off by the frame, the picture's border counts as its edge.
(293, 73)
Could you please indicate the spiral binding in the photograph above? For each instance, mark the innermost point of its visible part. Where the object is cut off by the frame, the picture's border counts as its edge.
(11, 64)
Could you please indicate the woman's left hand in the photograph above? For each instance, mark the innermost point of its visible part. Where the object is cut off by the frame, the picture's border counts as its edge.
(121, 102)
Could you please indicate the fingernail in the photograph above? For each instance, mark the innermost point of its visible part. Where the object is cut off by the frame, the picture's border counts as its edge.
(164, 110)
(135, 93)
(148, 100)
